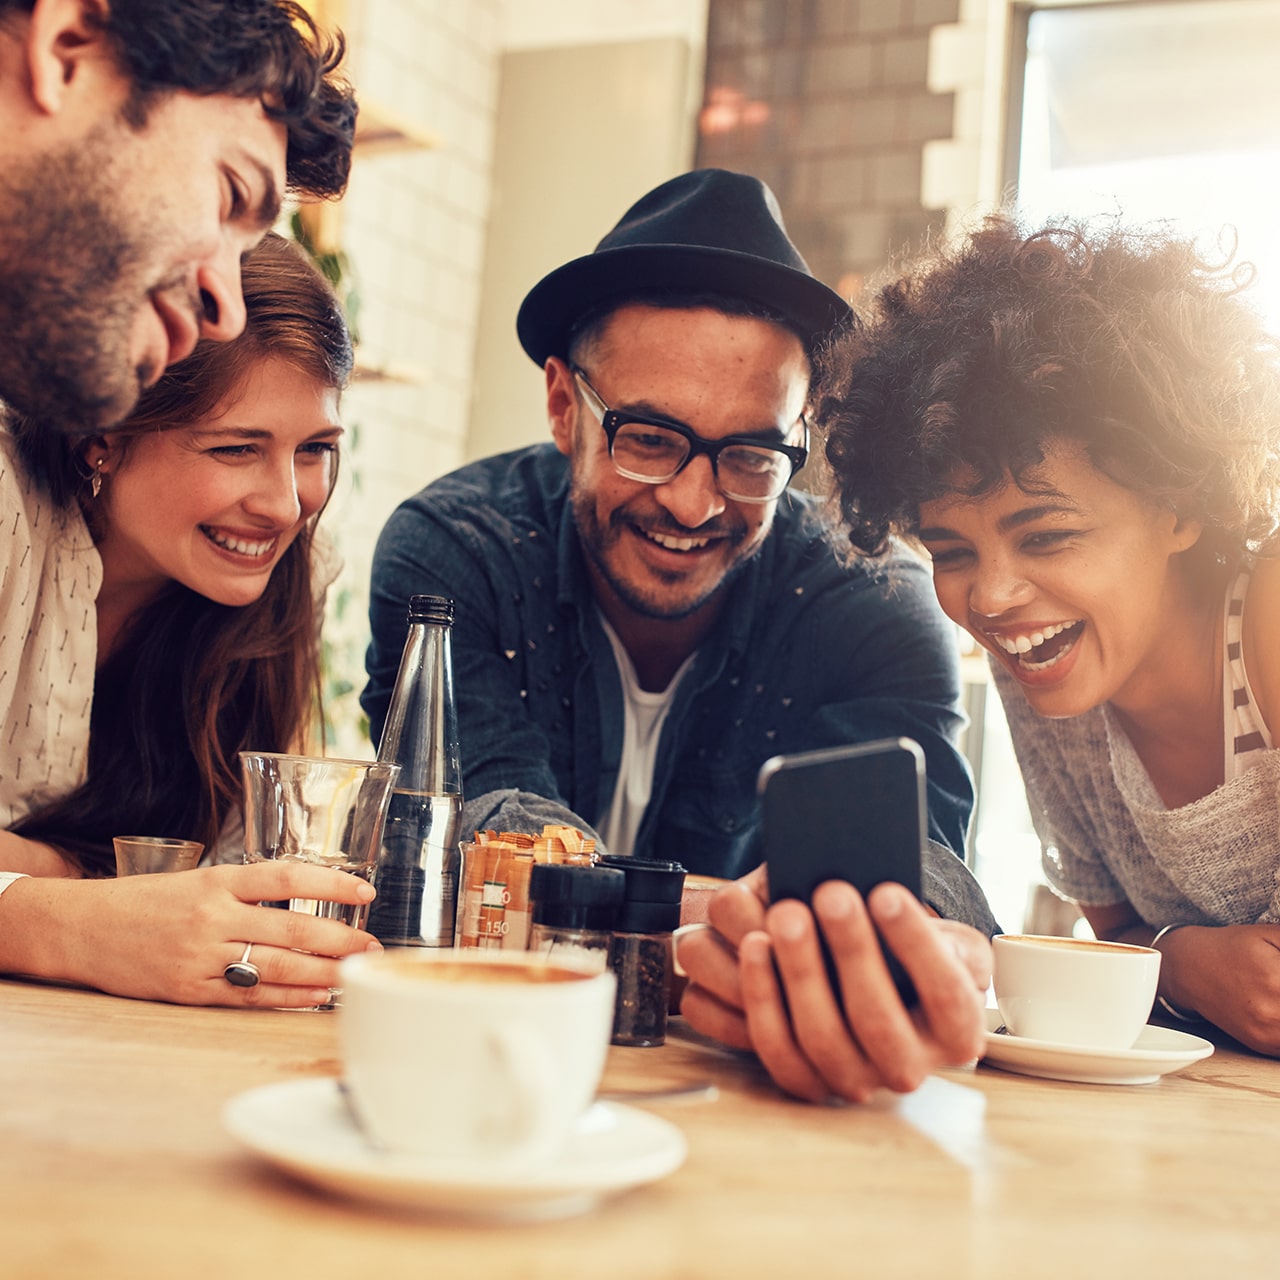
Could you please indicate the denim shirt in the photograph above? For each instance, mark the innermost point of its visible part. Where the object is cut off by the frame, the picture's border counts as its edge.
(807, 653)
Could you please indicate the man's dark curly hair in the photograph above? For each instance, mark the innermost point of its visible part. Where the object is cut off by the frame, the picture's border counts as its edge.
(266, 49)
(1125, 341)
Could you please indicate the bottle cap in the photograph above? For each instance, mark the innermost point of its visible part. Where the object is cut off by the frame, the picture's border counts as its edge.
(437, 609)
(566, 897)
(651, 902)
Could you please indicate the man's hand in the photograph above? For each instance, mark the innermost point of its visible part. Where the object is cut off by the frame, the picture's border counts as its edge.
(757, 981)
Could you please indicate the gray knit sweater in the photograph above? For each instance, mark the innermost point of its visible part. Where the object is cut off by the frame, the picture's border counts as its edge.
(1107, 835)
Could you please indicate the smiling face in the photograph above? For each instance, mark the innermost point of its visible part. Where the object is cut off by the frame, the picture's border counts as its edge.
(120, 249)
(214, 505)
(664, 550)
(1076, 587)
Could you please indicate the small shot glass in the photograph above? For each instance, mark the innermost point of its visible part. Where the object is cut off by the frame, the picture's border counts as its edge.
(147, 855)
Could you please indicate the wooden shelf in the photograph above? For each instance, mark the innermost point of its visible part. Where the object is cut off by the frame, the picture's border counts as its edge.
(369, 371)
(381, 131)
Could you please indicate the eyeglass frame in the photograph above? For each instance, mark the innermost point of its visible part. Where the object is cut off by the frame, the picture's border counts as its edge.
(612, 420)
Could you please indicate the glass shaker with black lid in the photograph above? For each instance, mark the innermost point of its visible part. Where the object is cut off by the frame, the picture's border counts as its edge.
(640, 953)
(573, 911)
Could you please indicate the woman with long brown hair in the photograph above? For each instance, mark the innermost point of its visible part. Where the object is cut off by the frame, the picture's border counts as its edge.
(160, 586)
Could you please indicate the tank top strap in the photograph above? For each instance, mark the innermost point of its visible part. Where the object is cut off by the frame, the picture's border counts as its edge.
(1245, 735)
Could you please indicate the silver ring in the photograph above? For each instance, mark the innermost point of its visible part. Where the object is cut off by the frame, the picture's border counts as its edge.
(240, 973)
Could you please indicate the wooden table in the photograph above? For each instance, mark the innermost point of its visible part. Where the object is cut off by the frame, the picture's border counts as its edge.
(113, 1164)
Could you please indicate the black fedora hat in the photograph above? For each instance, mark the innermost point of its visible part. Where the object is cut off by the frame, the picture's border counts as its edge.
(706, 231)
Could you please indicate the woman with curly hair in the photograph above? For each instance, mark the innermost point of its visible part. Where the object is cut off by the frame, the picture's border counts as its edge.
(160, 587)
(1082, 428)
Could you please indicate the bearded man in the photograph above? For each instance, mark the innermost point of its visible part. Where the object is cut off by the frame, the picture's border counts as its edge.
(145, 148)
(645, 612)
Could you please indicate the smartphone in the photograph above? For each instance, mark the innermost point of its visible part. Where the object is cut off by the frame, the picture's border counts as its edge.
(854, 813)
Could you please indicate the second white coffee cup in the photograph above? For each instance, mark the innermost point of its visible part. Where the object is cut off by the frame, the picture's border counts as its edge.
(1075, 991)
(472, 1057)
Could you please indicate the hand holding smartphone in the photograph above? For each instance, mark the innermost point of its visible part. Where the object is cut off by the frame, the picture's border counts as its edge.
(854, 813)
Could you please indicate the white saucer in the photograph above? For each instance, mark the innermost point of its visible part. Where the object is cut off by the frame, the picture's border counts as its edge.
(1158, 1051)
(304, 1127)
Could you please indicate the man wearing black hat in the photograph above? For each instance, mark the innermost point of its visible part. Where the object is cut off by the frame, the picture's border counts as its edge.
(645, 612)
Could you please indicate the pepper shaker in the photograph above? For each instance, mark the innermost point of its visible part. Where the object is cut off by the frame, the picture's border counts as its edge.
(640, 953)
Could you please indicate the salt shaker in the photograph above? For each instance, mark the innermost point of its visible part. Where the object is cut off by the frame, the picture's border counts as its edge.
(574, 910)
(640, 953)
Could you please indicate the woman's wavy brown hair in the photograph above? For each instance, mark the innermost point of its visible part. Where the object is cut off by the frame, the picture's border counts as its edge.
(194, 682)
(1126, 341)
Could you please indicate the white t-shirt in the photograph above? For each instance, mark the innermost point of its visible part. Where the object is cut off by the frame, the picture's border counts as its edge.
(643, 716)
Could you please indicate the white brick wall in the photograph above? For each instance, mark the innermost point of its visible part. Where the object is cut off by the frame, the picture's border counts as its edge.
(413, 226)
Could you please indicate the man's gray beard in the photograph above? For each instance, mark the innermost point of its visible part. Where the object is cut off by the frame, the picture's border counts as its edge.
(70, 288)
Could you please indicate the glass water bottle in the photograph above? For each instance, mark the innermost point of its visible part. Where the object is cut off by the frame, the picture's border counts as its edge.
(417, 872)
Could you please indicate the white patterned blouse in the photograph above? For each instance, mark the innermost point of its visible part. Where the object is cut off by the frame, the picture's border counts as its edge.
(50, 574)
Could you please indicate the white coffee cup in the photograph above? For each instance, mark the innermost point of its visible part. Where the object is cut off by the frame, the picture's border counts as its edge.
(472, 1057)
(1075, 991)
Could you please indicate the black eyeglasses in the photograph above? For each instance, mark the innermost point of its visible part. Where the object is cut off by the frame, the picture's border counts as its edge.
(654, 451)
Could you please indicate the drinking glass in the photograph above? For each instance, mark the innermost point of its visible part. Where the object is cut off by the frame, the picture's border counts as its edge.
(324, 811)
(147, 855)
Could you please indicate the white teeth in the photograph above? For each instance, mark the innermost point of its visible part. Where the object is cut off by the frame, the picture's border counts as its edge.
(239, 545)
(1015, 645)
(678, 544)
(1049, 662)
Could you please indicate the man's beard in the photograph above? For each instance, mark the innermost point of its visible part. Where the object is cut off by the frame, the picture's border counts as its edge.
(71, 286)
(597, 540)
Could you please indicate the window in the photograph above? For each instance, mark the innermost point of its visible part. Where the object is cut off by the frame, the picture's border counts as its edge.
(1158, 111)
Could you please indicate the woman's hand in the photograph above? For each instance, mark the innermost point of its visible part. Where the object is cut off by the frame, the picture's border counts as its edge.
(757, 980)
(169, 937)
(1228, 974)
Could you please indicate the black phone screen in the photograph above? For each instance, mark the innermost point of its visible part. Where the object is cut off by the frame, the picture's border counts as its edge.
(854, 813)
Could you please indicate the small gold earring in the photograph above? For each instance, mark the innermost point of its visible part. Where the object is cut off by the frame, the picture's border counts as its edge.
(95, 485)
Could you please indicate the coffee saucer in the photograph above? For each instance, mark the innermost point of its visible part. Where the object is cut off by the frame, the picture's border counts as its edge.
(1157, 1052)
(305, 1128)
